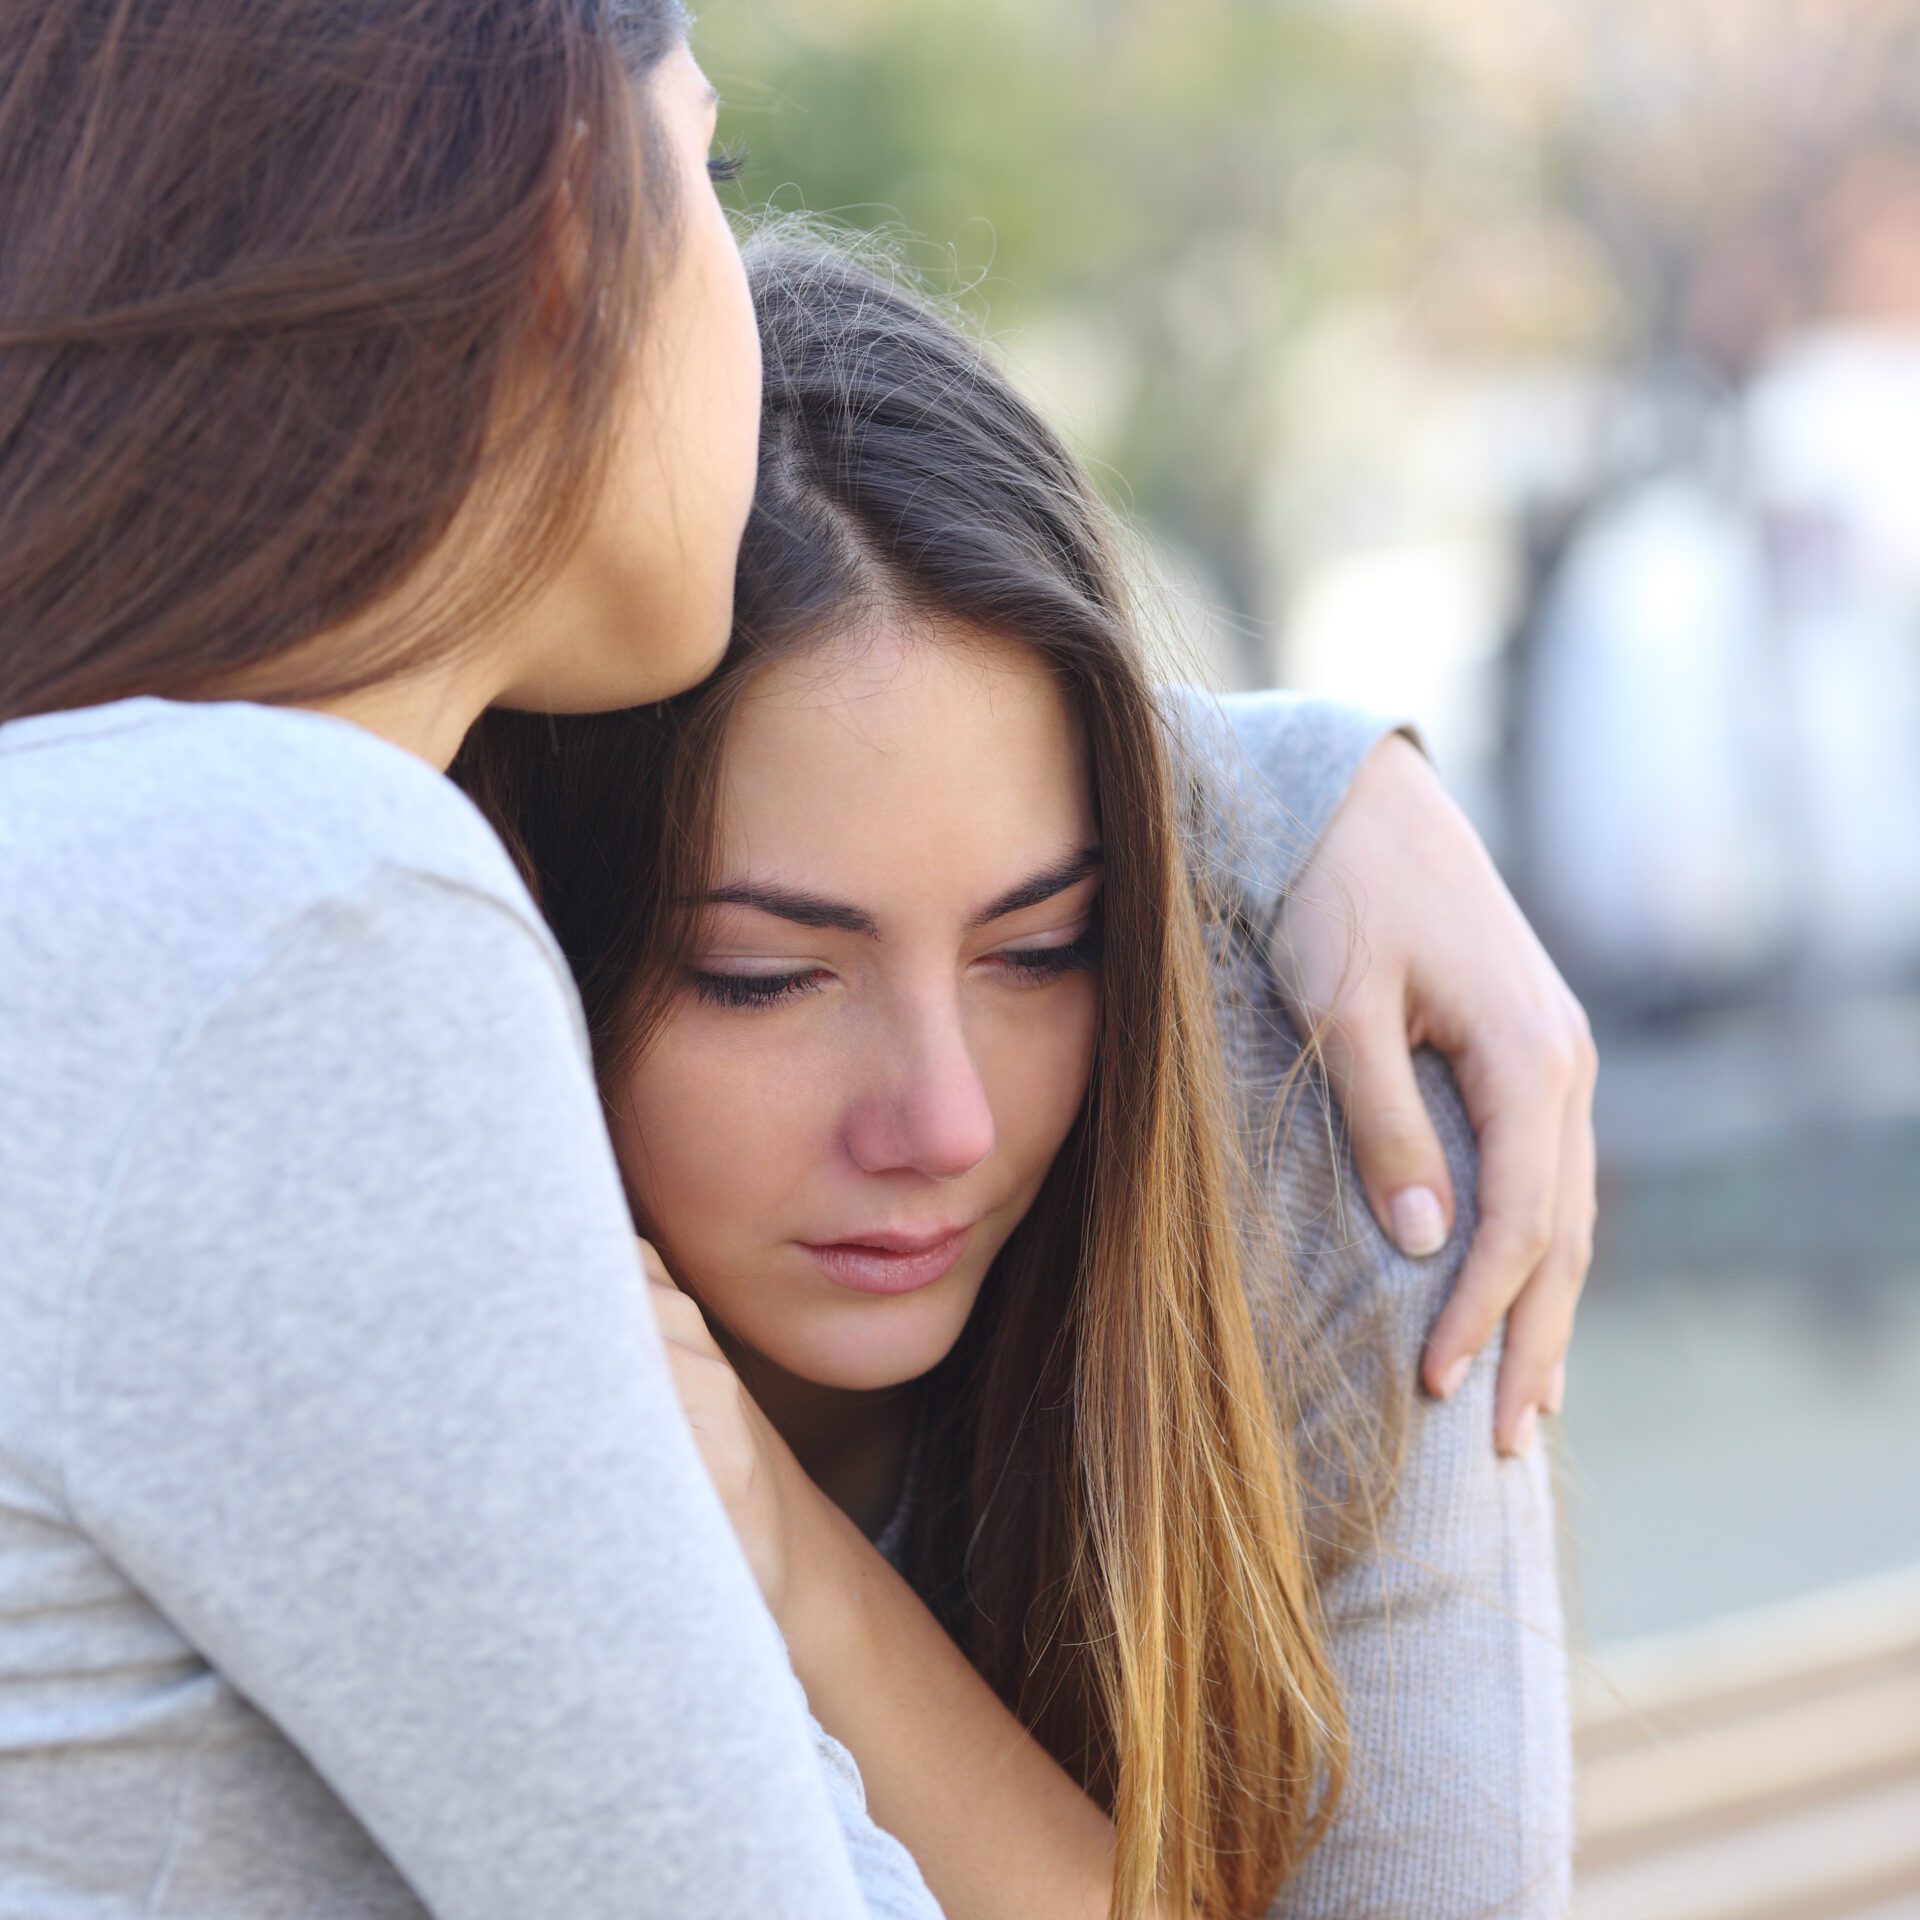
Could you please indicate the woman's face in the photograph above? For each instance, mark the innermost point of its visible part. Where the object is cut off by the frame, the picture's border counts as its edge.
(891, 1022)
(645, 602)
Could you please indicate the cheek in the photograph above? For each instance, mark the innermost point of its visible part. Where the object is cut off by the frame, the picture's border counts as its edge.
(1039, 1076)
(745, 386)
(717, 384)
(713, 1142)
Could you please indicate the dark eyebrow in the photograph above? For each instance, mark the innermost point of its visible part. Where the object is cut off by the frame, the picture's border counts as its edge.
(813, 910)
(789, 903)
(1066, 872)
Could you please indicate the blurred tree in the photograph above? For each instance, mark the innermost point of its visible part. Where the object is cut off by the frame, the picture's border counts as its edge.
(1176, 193)
(1186, 181)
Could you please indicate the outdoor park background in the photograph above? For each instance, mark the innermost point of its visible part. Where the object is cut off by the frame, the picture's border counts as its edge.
(1549, 372)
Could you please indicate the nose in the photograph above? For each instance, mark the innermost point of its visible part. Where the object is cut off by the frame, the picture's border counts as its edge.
(926, 1108)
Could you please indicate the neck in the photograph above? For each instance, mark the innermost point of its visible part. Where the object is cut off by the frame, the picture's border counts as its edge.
(852, 1444)
(428, 716)
(428, 710)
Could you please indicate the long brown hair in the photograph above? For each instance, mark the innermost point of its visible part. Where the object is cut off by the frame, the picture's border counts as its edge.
(267, 273)
(1109, 1521)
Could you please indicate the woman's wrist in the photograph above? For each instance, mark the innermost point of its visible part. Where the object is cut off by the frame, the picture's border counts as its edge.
(830, 1566)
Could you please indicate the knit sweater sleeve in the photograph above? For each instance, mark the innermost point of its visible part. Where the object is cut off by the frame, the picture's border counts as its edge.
(1445, 1623)
(1271, 770)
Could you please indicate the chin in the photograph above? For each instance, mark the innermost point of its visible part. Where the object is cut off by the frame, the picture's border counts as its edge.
(631, 661)
(650, 671)
(869, 1350)
(697, 648)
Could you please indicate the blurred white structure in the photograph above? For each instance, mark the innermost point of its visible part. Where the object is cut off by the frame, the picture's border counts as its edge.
(1835, 433)
(1659, 848)
(1724, 764)
(1719, 773)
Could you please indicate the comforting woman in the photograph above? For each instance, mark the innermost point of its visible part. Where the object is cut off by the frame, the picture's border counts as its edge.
(362, 362)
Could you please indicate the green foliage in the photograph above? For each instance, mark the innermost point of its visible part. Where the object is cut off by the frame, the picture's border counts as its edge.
(1165, 174)
(1177, 192)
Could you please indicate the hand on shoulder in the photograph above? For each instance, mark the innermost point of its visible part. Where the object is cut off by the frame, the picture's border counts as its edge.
(1445, 958)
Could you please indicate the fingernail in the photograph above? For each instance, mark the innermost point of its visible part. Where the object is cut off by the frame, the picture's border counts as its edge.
(1523, 1429)
(1557, 1387)
(1456, 1372)
(1419, 1227)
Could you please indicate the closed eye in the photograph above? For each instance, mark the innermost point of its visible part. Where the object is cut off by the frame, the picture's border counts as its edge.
(1034, 966)
(751, 990)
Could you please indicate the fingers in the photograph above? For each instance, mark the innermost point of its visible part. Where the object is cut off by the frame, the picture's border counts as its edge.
(708, 1388)
(1520, 1150)
(1540, 1327)
(718, 1410)
(682, 1324)
(1402, 1164)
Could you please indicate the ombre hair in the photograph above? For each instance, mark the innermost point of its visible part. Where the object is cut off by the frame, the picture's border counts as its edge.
(268, 278)
(1109, 1520)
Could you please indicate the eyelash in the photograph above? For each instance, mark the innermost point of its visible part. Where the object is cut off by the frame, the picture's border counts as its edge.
(727, 166)
(748, 990)
(1041, 964)
(1038, 965)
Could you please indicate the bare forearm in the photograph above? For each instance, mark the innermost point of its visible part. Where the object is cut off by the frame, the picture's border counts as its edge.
(998, 1828)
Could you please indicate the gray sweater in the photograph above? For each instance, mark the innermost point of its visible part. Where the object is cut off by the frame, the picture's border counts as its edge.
(354, 1559)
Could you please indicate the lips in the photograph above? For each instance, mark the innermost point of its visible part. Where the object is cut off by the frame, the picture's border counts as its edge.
(890, 1262)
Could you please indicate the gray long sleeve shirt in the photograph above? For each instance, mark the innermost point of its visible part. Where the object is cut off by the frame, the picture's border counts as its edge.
(354, 1557)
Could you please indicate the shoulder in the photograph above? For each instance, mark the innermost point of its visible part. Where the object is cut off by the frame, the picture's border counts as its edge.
(230, 937)
(1339, 1269)
(175, 875)
(310, 799)
(1268, 724)
(180, 836)
(1266, 771)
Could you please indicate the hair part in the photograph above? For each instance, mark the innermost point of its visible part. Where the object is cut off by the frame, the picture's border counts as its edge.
(269, 278)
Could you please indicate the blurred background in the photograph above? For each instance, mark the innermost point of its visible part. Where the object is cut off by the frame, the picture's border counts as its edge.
(1549, 371)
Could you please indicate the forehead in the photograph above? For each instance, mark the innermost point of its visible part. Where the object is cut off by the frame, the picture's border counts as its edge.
(925, 758)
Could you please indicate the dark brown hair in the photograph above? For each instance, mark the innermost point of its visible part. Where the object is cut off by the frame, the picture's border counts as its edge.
(267, 272)
(1109, 1521)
